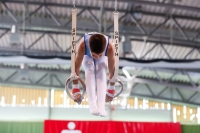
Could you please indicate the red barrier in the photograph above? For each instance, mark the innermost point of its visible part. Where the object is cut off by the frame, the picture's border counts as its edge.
(57, 126)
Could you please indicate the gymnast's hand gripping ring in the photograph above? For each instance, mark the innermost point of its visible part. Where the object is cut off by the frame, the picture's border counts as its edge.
(121, 88)
(70, 79)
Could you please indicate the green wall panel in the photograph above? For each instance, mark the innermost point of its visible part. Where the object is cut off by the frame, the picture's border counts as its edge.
(21, 127)
(190, 128)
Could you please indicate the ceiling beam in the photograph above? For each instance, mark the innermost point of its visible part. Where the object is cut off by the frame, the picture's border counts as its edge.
(31, 52)
(168, 5)
(81, 30)
(119, 10)
(165, 99)
(171, 84)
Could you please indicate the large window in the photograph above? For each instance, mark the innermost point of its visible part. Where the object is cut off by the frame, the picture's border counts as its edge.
(39, 97)
(14, 96)
(182, 113)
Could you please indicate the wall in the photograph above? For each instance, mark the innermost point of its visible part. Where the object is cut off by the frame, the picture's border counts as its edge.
(37, 127)
(142, 115)
(23, 113)
(190, 128)
(42, 113)
(21, 127)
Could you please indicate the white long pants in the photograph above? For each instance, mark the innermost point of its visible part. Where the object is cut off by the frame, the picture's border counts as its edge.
(95, 75)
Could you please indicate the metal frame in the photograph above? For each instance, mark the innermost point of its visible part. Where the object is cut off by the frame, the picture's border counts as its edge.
(152, 34)
(187, 55)
(133, 80)
(96, 8)
(59, 75)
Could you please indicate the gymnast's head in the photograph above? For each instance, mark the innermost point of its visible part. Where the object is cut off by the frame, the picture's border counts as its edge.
(97, 45)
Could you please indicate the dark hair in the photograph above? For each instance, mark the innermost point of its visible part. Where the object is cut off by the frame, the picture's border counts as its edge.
(97, 43)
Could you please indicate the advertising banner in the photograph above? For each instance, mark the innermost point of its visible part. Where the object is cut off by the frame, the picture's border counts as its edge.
(58, 126)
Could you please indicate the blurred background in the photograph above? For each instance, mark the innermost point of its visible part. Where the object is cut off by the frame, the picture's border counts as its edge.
(159, 60)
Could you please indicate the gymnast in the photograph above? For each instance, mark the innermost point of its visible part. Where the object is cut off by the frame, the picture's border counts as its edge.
(96, 54)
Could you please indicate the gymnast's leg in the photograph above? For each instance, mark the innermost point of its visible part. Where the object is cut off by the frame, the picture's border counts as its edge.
(101, 68)
(88, 65)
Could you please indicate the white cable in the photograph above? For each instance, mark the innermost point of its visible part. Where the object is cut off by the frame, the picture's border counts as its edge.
(74, 2)
(73, 44)
(116, 42)
(116, 46)
(115, 5)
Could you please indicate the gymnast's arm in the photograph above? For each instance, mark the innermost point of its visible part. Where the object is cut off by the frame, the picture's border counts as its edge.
(79, 58)
(111, 62)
